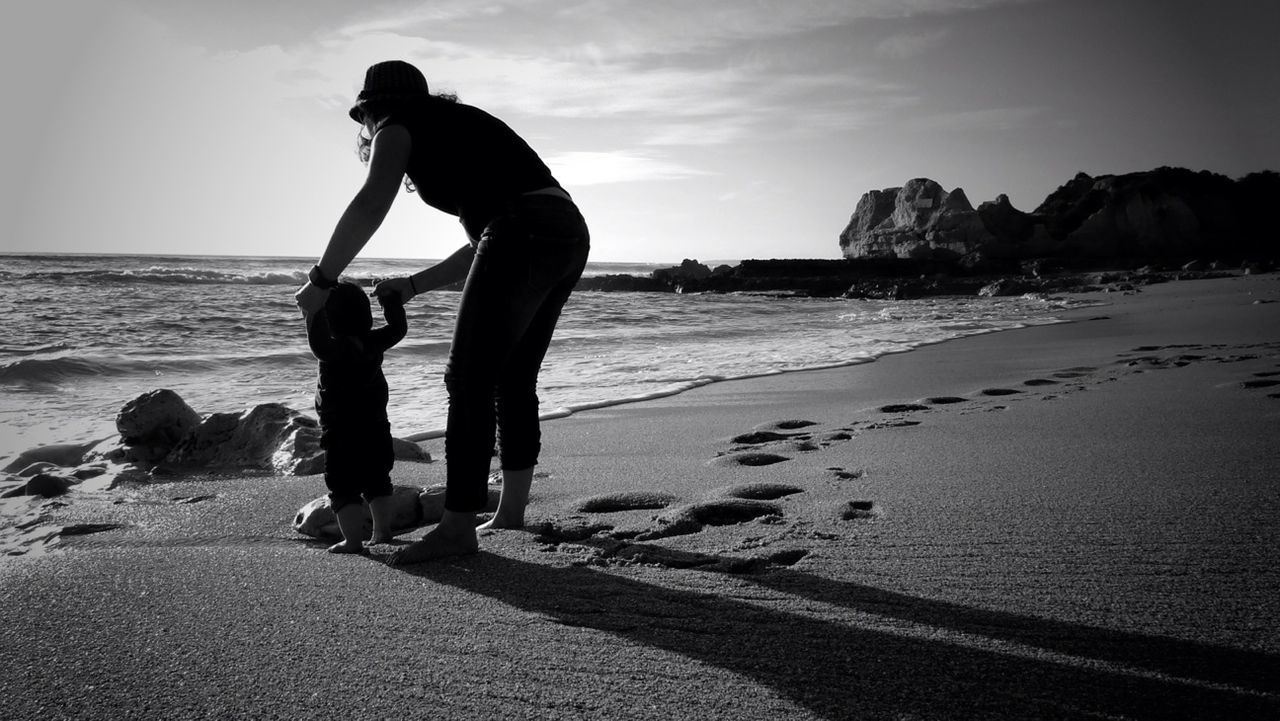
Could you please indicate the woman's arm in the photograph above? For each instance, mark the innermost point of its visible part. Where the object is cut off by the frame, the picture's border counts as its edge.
(387, 163)
(446, 272)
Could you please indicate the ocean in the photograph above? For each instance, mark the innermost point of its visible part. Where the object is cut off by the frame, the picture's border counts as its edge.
(88, 333)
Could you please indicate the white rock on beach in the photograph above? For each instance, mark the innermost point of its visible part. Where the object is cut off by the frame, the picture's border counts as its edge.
(316, 519)
(432, 500)
(412, 507)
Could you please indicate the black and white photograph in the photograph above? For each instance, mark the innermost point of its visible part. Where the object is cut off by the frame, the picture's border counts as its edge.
(789, 360)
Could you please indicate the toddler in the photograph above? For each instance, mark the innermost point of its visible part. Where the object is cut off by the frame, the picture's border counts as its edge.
(351, 400)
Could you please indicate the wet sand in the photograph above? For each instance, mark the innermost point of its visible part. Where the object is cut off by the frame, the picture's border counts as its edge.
(1064, 521)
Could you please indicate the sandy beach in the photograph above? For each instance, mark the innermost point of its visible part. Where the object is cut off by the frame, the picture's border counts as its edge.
(1068, 521)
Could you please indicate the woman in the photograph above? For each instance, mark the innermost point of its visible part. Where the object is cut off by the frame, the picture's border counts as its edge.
(528, 247)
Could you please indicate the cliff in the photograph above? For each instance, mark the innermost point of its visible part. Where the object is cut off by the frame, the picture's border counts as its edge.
(1162, 215)
(1105, 232)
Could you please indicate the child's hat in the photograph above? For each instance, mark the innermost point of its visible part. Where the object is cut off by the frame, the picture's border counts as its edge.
(390, 80)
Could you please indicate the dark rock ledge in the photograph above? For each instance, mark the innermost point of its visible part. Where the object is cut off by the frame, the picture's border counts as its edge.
(1112, 232)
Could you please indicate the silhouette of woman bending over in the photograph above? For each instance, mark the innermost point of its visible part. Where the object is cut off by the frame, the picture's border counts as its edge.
(528, 245)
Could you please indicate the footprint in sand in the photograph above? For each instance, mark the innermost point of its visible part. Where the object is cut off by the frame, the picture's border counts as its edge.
(761, 491)
(623, 553)
(1040, 382)
(791, 425)
(903, 408)
(946, 400)
(1076, 372)
(749, 459)
(858, 510)
(776, 430)
(567, 531)
(691, 518)
(625, 501)
(891, 424)
(844, 475)
(755, 438)
(1261, 383)
(1000, 391)
(84, 529)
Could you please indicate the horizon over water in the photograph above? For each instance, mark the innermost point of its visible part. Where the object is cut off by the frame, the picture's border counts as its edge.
(594, 267)
(90, 332)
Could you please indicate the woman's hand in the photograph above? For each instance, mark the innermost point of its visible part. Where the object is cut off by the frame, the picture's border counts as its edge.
(310, 299)
(400, 287)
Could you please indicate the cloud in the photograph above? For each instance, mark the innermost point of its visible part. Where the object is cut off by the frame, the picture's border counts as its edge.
(693, 73)
(597, 168)
(906, 45)
(985, 119)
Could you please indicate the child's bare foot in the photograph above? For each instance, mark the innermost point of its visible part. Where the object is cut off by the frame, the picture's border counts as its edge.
(351, 523)
(380, 510)
(346, 547)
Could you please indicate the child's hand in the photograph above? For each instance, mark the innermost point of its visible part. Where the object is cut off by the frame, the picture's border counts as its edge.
(310, 299)
(398, 290)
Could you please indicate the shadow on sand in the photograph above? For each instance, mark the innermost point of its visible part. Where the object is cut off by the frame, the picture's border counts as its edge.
(839, 670)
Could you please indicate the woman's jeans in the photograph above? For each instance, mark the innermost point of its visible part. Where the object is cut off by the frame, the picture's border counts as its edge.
(526, 264)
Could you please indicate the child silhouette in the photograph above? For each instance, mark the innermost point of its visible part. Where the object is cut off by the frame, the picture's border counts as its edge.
(351, 400)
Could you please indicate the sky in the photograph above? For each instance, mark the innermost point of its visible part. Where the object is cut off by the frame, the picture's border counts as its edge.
(715, 130)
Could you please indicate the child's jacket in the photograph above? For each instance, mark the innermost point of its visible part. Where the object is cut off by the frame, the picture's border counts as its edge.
(351, 383)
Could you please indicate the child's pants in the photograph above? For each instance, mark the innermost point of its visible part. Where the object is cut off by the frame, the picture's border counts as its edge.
(358, 460)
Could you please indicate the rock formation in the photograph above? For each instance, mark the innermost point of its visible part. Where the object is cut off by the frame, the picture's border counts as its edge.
(1166, 214)
(153, 423)
(922, 240)
(249, 439)
(920, 221)
(161, 435)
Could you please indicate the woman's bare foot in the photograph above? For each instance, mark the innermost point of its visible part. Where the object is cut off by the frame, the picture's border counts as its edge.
(502, 520)
(346, 547)
(514, 499)
(379, 538)
(433, 546)
(455, 535)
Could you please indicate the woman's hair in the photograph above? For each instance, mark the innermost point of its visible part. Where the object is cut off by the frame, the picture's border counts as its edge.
(380, 109)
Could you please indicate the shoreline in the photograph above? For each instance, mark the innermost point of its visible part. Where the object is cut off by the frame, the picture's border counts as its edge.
(686, 386)
(418, 405)
(1063, 521)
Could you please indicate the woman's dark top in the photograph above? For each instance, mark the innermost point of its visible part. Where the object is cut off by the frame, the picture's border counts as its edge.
(466, 162)
(351, 385)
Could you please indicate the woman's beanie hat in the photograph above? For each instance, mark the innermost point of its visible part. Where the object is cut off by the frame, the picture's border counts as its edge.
(390, 80)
